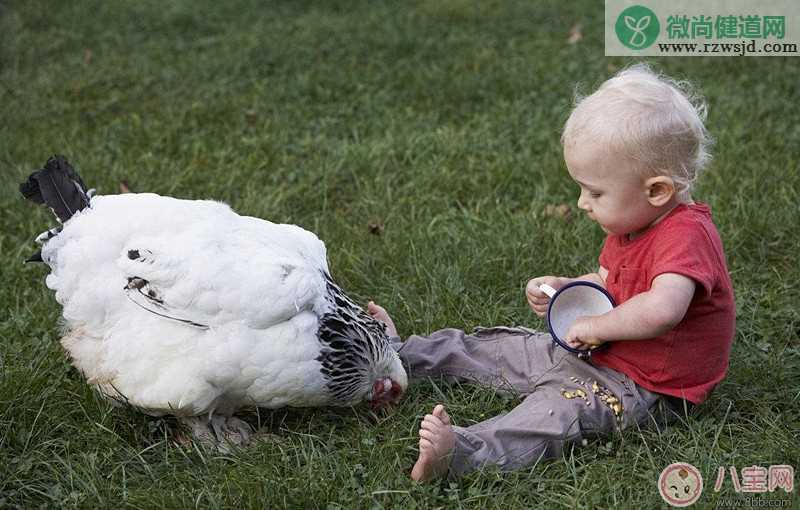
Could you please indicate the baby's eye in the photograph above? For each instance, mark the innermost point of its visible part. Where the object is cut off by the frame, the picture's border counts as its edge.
(594, 194)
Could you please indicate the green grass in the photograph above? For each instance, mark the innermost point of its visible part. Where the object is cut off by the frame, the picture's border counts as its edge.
(438, 120)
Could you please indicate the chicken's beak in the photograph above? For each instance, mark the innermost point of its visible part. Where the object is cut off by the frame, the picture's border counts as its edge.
(396, 393)
(385, 393)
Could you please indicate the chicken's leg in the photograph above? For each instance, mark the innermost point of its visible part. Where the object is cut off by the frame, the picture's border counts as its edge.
(218, 432)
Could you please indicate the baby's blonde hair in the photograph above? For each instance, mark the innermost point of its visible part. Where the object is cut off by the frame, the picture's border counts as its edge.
(651, 119)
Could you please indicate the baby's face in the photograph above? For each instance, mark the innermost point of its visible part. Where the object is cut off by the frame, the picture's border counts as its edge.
(612, 193)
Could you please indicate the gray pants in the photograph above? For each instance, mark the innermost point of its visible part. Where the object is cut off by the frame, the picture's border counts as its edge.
(565, 397)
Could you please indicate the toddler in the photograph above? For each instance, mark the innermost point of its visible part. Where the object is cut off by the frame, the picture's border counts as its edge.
(635, 147)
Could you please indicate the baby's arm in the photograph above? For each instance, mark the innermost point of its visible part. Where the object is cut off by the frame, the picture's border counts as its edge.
(646, 315)
(599, 277)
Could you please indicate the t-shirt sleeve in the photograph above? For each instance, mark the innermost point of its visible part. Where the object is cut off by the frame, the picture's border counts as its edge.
(687, 249)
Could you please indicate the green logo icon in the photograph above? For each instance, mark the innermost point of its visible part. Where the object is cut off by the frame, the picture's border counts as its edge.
(637, 27)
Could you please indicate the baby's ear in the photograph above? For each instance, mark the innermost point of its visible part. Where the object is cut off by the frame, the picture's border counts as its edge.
(660, 190)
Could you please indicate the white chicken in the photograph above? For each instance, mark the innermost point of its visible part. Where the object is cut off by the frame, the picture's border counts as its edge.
(184, 307)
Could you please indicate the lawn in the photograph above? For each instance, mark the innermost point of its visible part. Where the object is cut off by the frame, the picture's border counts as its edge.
(420, 141)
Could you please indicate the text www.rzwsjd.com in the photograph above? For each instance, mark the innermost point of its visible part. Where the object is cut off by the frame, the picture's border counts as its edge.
(738, 48)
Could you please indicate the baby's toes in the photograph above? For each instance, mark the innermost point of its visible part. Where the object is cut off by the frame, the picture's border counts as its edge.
(430, 435)
(431, 423)
(425, 444)
(440, 413)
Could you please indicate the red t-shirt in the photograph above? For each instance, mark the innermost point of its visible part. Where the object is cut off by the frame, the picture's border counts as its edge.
(688, 361)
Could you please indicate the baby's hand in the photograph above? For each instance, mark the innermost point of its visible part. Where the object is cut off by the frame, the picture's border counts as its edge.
(581, 334)
(538, 300)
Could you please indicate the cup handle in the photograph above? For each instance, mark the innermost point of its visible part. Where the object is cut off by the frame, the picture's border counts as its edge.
(550, 291)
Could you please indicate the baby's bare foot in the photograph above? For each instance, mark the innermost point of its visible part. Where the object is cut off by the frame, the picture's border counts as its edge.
(436, 443)
(380, 314)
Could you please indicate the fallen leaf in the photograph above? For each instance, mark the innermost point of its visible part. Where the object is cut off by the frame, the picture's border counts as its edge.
(251, 116)
(376, 228)
(575, 34)
(558, 211)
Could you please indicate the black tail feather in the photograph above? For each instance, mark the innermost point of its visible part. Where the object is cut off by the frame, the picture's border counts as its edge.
(36, 257)
(58, 186)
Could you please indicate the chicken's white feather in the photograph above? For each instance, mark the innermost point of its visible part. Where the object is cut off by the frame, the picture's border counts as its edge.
(255, 290)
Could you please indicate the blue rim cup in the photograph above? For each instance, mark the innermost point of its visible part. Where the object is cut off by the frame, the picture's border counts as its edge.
(576, 299)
